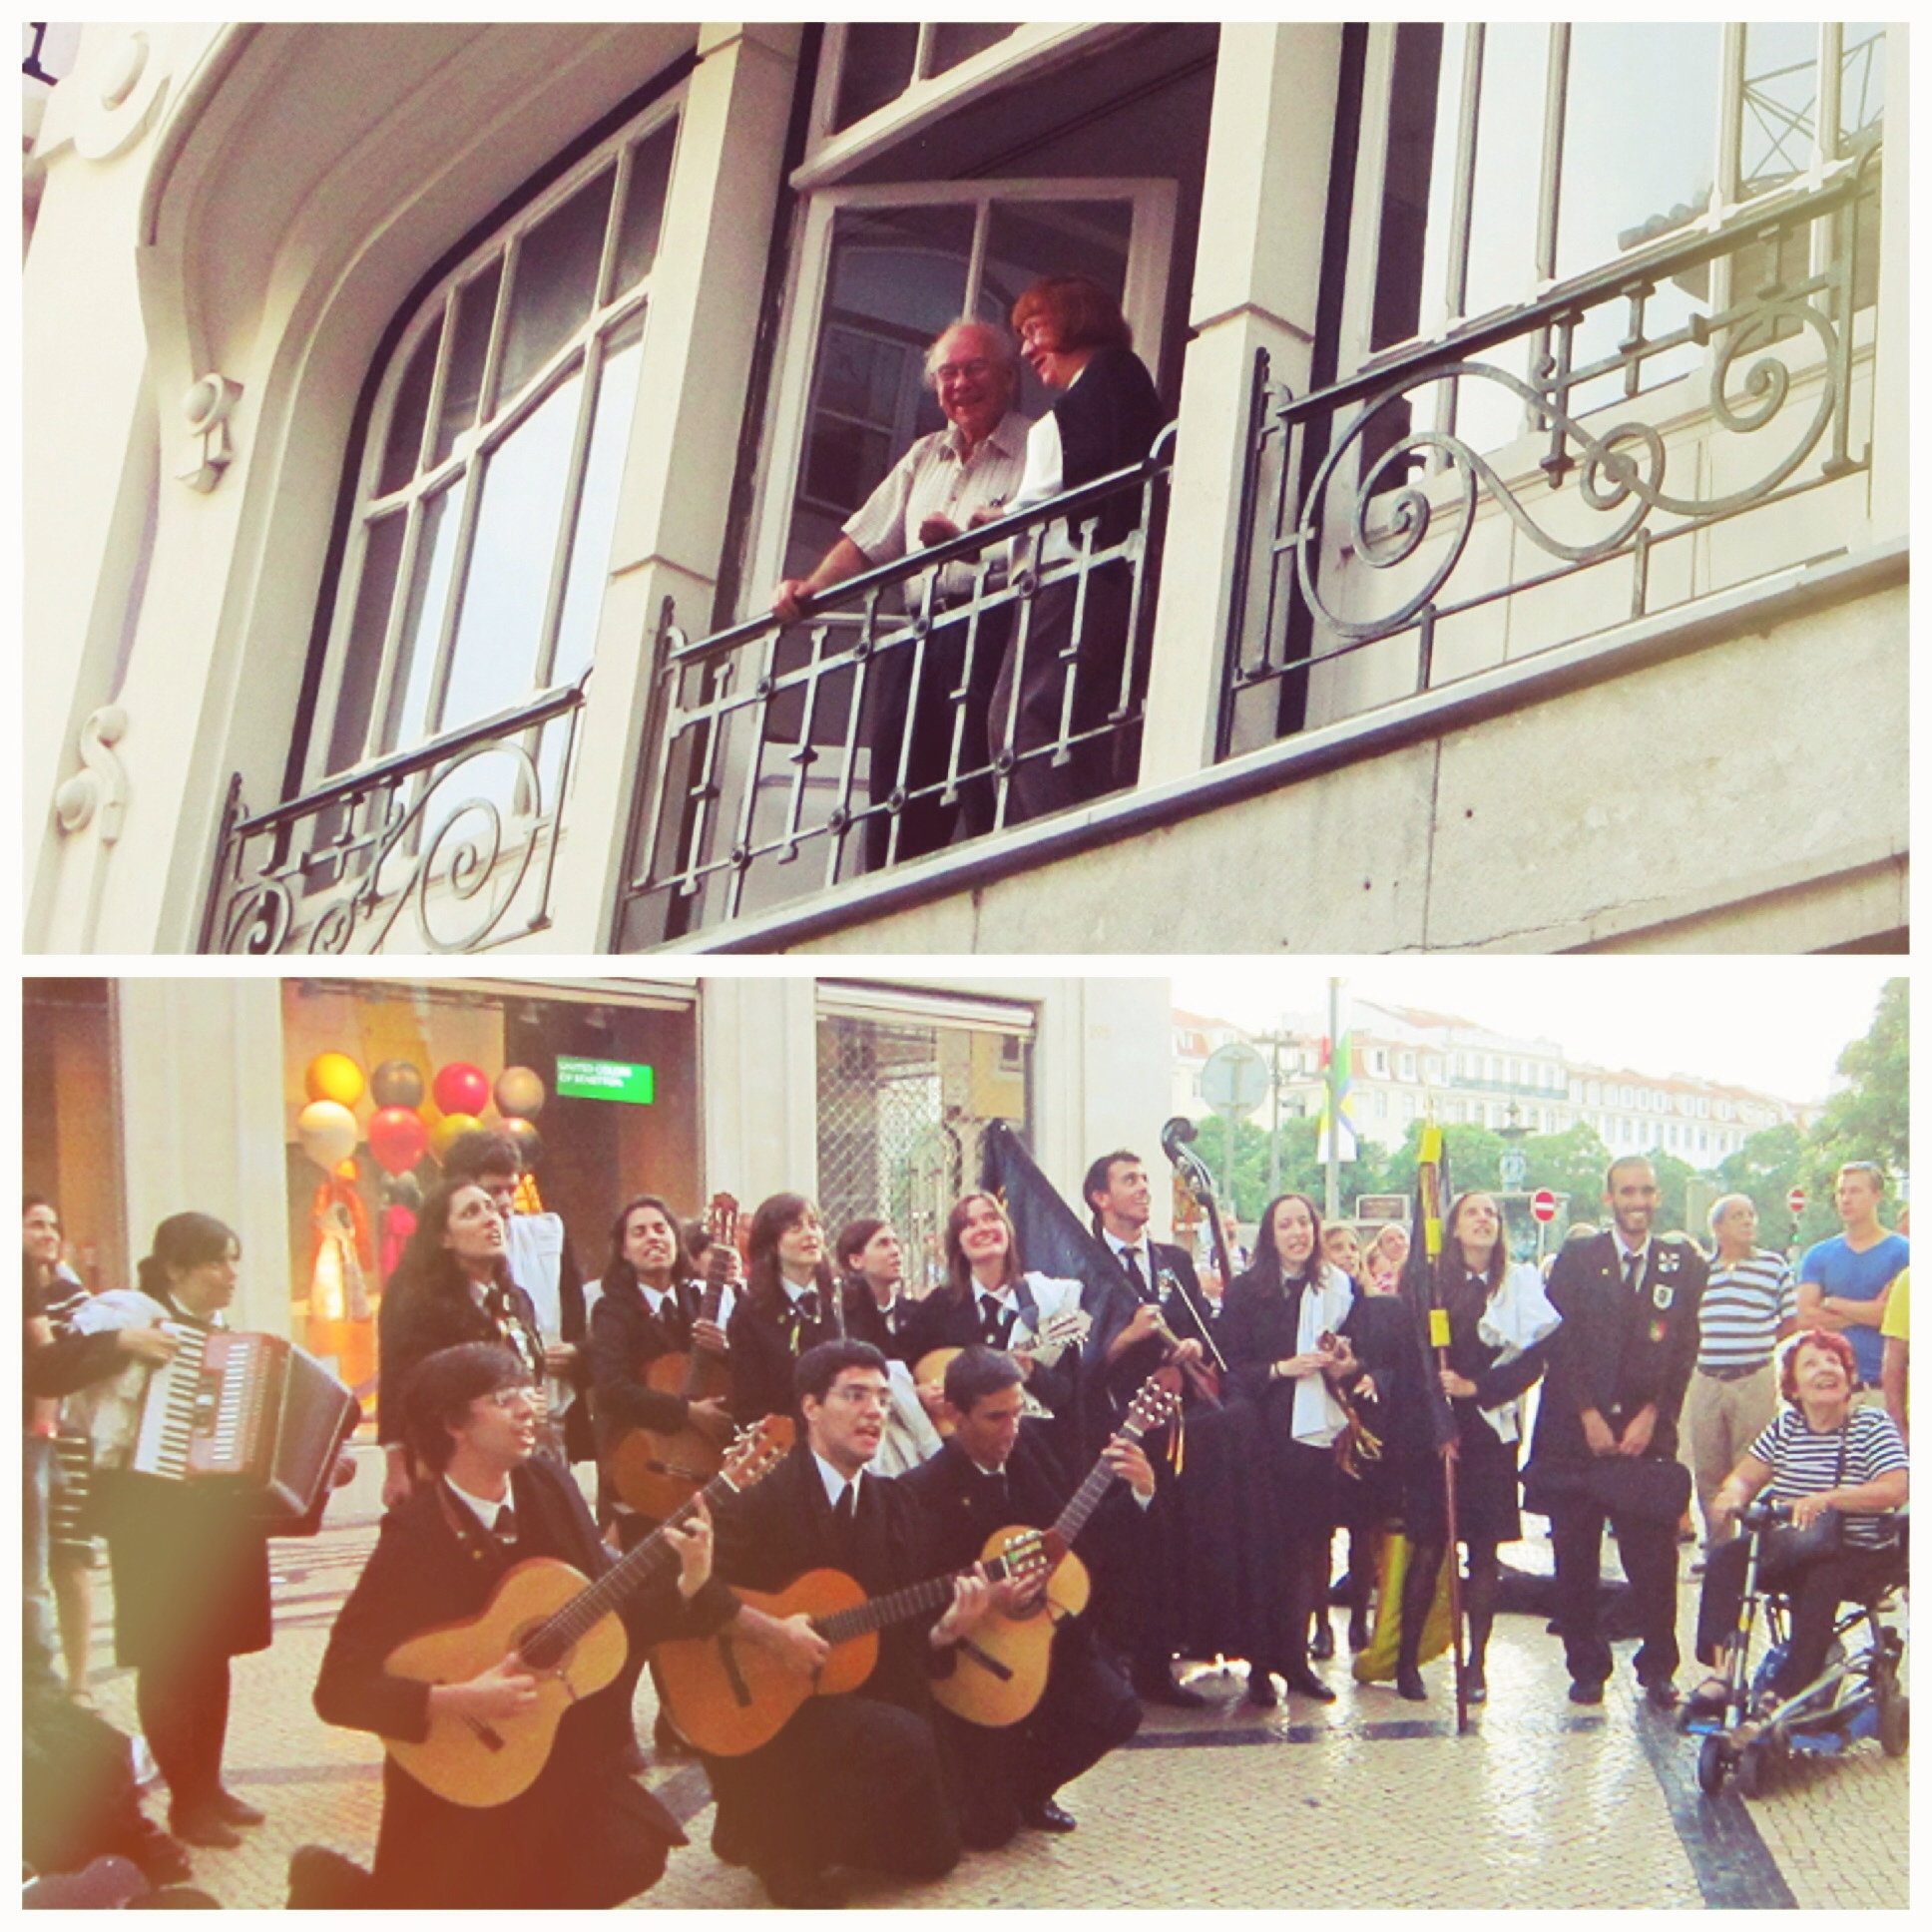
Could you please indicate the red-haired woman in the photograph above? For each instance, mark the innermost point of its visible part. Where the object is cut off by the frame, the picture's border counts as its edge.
(1075, 341)
(1820, 1453)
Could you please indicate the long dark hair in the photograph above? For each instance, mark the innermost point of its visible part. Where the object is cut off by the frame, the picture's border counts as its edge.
(187, 1240)
(959, 1271)
(1452, 1272)
(1268, 1259)
(425, 1266)
(763, 1285)
(618, 1272)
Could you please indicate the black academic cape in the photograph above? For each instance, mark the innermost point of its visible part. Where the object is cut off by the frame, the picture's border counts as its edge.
(765, 1357)
(625, 1338)
(584, 1834)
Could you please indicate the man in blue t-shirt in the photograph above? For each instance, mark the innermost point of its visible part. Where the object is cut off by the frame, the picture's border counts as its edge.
(1842, 1281)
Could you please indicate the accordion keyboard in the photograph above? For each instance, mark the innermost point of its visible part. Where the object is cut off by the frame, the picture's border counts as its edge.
(167, 1421)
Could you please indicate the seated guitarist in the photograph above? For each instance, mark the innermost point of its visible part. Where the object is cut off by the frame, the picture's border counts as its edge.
(856, 1779)
(993, 1473)
(584, 1834)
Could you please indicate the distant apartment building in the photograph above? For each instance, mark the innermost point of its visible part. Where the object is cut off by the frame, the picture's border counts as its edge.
(1407, 1060)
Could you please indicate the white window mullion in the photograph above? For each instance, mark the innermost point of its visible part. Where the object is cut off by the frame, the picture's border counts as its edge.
(590, 379)
(922, 52)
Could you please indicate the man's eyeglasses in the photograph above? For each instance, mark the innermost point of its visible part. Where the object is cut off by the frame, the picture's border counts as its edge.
(962, 371)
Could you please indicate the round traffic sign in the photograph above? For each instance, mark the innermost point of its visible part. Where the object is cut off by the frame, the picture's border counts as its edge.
(1542, 1205)
(1235, 1078)
(1795, 1200)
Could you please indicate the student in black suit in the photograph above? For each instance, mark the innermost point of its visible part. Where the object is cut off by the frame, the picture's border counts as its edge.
(1604, 1447)
(584, 1834)
(994, 1473)
(1150, 1318)
(647, 1308)
(878, 1307)
(856, 1780)
(788, 1306)
(1075, 341)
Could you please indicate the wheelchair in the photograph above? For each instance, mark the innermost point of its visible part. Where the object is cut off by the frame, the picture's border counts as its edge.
(1857, 1695)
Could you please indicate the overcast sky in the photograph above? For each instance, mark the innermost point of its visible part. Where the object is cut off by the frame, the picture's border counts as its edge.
(1775, 1024)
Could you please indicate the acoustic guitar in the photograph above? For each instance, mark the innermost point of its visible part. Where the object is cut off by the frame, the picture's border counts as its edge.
(728, 1696)
(1064, 1330)
(564, 1630)
(654, 1470)
(1002, 1670)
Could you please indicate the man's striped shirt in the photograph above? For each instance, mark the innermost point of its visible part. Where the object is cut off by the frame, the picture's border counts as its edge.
(1744, 1303)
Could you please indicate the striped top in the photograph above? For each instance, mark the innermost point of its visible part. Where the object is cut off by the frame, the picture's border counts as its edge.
(1803, 1461)
(1744, 1303)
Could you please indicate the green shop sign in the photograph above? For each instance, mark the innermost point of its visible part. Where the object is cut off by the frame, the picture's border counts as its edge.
(605, 1079)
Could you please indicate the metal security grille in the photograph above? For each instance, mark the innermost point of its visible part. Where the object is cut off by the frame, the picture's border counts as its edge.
(901, 1107)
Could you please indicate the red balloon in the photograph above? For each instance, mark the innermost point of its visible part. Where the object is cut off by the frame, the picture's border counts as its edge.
(461, 1089)
(397, 1139)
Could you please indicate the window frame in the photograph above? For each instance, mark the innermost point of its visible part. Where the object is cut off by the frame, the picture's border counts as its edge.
(583, 353)
(1150, 268)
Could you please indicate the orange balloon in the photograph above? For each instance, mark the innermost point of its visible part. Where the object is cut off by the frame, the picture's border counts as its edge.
(335, 1076)
(447, 1129)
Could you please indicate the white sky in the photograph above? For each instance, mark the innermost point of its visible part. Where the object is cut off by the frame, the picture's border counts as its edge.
(1775, 1024)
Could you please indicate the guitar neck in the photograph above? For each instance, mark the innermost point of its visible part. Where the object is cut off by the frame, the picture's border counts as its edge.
(1087, 1498)
(651, 1559)
(876, 1612)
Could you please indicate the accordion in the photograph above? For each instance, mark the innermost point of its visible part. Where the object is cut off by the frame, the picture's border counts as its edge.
(251, 1408)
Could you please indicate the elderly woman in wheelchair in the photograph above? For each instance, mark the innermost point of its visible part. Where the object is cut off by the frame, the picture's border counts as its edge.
(1813, 1494)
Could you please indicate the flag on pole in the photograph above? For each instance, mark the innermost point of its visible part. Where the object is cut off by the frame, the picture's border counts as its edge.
(1332, 1119)
(1052, 1238)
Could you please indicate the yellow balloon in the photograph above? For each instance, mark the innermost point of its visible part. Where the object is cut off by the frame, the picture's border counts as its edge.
(447, 1129)
(328, 1132)
(519, 1093)
(335, 1076)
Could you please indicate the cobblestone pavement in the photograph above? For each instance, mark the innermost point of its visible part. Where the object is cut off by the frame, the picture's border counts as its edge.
(1366, 1803)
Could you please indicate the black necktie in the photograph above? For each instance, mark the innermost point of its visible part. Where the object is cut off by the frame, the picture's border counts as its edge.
(808, 1305)
(844, 1535)
(996, 1486)
(1130, 1260)
(999, 1321)
(505, 1525)
(1633, 1273)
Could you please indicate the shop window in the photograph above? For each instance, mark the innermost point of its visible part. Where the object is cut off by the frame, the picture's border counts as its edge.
(902, 1103)
(603, 1136)
(487, 481)
(71, 1123)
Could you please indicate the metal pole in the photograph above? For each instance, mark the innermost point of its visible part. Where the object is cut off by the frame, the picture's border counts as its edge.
(1332, 1203)
(1275, 1123)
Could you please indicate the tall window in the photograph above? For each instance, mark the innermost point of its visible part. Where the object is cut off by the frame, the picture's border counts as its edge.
(488, 480)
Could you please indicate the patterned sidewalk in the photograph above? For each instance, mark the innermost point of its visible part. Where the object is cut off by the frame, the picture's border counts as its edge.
(1368, 1801)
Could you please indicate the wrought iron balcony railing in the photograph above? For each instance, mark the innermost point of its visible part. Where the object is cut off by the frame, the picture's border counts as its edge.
(988, 680)
(448, 848)
(1390, 548)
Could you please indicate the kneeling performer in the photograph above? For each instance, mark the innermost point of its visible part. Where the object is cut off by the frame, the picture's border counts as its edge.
(995, 1473)
(582, 1833)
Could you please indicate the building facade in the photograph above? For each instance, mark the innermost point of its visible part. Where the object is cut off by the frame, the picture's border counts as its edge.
(1408, 1064)
(418, 419)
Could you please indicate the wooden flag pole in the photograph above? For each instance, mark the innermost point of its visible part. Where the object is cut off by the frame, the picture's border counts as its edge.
(1428, 1179)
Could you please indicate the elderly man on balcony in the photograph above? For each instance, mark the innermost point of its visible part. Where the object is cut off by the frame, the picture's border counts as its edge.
(931, 493)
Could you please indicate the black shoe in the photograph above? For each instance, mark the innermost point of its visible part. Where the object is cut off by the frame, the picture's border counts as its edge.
(1357, 1631)
(799, 1890)
(1475, 1686)
(1661, 1694)
(1321, 1646)
(203, 1824)
(1046, 1816)
(1409, 1684)
(1304, 1683)
(234, 1810)
(1261, 1688)
(1586, 1690)
(1151, 1688)
(161, 1860)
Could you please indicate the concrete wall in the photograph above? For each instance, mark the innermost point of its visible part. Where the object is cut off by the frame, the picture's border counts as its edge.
(1732, 782)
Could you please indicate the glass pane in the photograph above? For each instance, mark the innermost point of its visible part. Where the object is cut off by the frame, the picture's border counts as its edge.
(960, 40)
(362, 659)
(590, 551)
(555, 284)
(1779, 126)
(1648, 96)
(1509, 159)
(422, 623)
(1861, 84)
(898, 276)
(1418, 192)
(463, 383)
(411, 411)
(643, 204)
(877, 68)
(1028, 240)
(497, 635)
